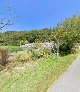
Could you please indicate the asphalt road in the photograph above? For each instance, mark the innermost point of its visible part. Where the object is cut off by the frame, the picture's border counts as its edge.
(69, 81)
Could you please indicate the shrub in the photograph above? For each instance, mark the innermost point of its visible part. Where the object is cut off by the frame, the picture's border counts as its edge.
(23, 56)
(66, 48)
(47, 52)
(4, 55)
(33, 54)
(40, 53)
(36, 54)
(37, 45)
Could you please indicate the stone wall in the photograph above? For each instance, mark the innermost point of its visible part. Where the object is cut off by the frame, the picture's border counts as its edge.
(46, 45)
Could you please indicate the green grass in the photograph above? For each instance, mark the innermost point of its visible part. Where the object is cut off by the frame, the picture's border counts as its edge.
(13, 48)
(38, 78)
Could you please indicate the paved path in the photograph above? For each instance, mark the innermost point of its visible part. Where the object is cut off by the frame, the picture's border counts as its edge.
(69, 81)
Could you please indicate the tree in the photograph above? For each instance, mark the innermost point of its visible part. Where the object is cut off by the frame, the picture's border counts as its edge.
(7, 21)
(66, 34)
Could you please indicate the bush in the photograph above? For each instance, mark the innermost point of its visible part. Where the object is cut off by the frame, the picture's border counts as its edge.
(40, 53)
(65, 48)
(23, 56)
(33, 54)
(36, 54)
(4, 55)
(37, 45)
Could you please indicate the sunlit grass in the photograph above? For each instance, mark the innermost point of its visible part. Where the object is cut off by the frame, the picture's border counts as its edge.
(13, 48)
(38, 78)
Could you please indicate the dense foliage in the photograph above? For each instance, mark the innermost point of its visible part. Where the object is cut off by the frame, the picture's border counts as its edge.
(15, 38)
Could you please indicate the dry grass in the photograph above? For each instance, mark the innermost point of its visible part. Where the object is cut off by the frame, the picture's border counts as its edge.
(4, 55)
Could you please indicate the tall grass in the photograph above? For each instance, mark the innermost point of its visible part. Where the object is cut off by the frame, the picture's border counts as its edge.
(3, 56)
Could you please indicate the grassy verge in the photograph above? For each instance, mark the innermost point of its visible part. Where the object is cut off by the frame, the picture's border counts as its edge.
(13, 48)
(38, 78)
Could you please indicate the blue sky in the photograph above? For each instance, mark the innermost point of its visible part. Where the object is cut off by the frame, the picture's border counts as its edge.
(38, 14)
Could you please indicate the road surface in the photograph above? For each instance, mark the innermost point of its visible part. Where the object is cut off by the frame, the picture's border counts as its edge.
(69, 81)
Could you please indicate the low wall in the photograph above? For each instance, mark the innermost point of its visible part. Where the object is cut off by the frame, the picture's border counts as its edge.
(43, 45)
